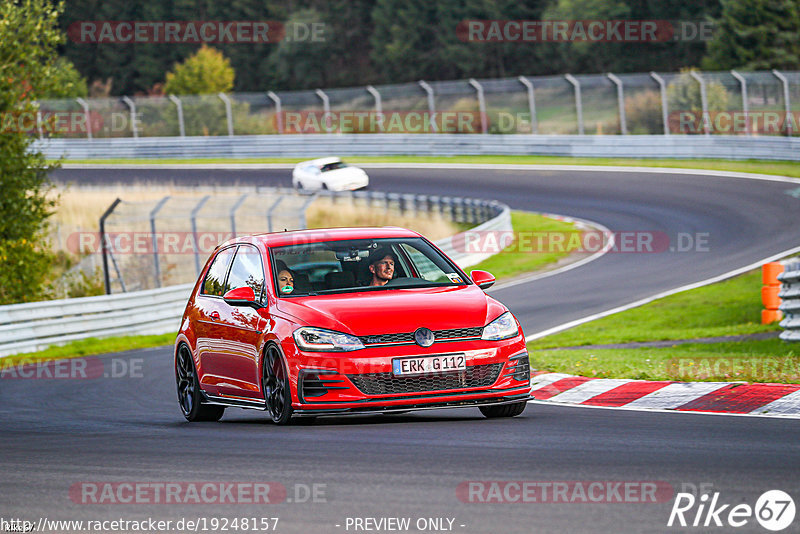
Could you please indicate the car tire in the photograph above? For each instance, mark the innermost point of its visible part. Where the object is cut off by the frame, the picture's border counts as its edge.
(504, 410)
(276, 387)
(189, 397)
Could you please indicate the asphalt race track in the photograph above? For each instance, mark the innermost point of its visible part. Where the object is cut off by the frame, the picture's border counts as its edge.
(126, 426)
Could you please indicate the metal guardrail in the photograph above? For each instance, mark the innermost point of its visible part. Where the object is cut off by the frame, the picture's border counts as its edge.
(264, 146)
(37, 325)
(790, 301)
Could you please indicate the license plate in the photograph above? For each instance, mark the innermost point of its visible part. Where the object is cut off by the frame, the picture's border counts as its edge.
(428, 364)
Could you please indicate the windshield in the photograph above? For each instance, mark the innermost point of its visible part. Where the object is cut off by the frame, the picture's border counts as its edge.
(360, 265)
(333, 166)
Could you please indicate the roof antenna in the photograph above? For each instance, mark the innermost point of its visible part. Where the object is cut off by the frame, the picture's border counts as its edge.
(285, 230)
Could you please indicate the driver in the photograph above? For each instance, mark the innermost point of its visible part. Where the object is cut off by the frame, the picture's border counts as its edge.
(381, 265)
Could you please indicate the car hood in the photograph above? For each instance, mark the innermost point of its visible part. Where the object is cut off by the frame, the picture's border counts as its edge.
(395, 310)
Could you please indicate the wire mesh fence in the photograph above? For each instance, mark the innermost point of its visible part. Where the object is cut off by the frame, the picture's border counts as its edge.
(164, 242)
(689, 102)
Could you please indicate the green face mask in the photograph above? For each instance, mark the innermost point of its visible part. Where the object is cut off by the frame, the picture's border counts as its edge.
(287, 289)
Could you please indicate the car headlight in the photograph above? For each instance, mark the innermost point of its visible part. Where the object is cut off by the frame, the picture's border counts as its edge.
(321, 340)
(503, 327)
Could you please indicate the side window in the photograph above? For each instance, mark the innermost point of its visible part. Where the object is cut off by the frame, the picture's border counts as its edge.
(426, 268)
(215, 279)
(247, 271)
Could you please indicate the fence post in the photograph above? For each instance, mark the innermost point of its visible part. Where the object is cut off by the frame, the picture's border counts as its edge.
(789, 119)
(578, 103)
(270, 211)
(304, 208)
(431, 104)
(664, 111)
(745, 103)
(703, 101)
(85, 105)
(132, 107)
(378, 105)
(39, 119)
(104, 244)
(195, 211)
(481, 104)
(623, 124)
(228, 112)
(278, 112)
(156, 264)
(326, 107)
(232, 213)
(179, 105)
(531, 103)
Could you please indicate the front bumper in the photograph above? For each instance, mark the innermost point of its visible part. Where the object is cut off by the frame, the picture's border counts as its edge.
(362, 381)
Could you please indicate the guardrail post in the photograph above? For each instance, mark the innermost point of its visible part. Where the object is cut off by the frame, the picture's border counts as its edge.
(278, 111)
(431, 104)
(232, 213)
(745, 103)
(179, 106)
(132, 107)
(195, 211)
(228, 112)
(703, 101)
(789, 119)
(104, 244)
(378, 106)
(303, 220)
(156, 264)
(481, 104)
(578, 101)
(664, 110)
(623, 124)
(531, 103)
(85, 105)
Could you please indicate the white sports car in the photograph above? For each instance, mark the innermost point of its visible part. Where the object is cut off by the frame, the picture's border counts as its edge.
(328, 173)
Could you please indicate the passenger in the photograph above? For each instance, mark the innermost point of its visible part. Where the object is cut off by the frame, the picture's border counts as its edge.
(285, 281)
(381, 265)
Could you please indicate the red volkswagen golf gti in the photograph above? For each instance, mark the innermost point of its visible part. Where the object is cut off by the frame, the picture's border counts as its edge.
(345, 321)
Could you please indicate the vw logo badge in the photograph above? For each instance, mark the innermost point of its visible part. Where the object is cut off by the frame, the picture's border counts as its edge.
(424, 337)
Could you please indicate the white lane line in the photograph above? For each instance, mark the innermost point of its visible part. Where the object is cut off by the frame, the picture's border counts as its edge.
(538, 382)
(588, 390)
(646, 300)
(675, 395)
(789, 404)
(651, 410)
(610, 242)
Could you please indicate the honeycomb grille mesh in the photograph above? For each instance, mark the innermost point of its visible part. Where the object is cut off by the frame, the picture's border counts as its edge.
(386, 383)
(408, 337)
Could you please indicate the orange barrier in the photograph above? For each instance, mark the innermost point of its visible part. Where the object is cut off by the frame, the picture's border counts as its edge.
(769, 292)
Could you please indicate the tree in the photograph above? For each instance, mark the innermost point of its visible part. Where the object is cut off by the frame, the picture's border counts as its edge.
(756, 35)
(206, 72)
(29, 71)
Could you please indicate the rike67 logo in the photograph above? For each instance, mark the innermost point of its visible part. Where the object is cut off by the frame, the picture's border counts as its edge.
(774, 510)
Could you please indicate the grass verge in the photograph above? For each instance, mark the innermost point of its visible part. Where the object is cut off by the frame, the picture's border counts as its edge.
(781, 168)
(504, 265)
(88, 347)
(732, 307)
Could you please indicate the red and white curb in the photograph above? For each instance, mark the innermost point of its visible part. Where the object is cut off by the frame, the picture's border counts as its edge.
(775, 400)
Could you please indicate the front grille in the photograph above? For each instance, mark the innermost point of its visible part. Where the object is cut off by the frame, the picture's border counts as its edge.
(386, 383)
(408, 337)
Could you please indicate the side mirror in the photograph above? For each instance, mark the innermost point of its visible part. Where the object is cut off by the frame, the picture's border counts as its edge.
(242, 296)
(482, 279)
